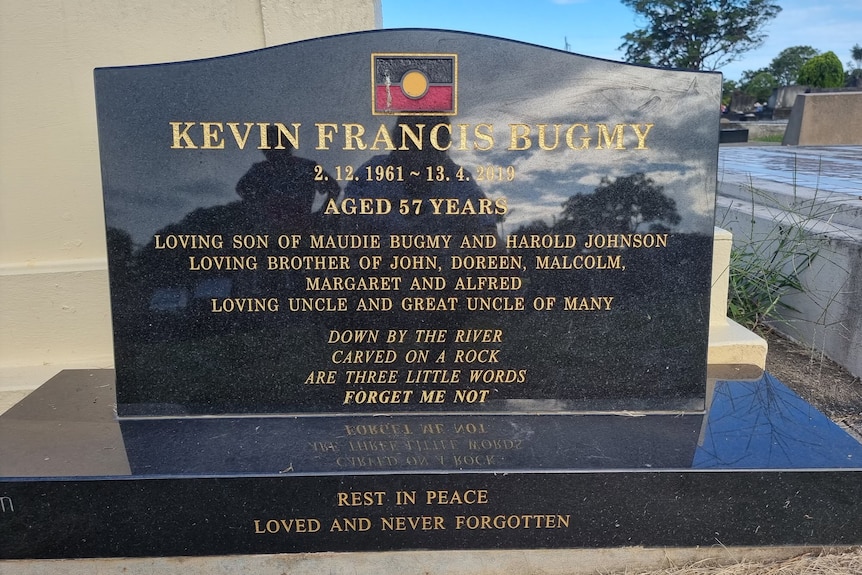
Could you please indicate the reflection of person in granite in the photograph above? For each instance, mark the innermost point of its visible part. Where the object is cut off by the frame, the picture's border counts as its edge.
(284, 188)
(278, 196)
(435, 205)
(426, 172)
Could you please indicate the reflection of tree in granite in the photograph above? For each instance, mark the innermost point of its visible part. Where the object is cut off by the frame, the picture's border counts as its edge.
(620, 206)
(642, 347)
(764, 425)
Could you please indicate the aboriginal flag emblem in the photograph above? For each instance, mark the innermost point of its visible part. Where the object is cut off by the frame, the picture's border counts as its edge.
(405, 84)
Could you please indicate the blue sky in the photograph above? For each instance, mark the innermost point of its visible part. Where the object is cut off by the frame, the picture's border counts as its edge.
(596, 27)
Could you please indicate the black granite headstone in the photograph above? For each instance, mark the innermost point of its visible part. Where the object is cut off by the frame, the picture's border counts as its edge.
(408, 222)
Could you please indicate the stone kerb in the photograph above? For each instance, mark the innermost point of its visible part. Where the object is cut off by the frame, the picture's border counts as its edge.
(828, 316)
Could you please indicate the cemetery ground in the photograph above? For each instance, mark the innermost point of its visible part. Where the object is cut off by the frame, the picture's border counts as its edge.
(818, 380)
(844, 561)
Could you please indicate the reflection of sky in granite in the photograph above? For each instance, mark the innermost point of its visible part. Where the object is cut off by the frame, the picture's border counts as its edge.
(305, 83)
(764, 425)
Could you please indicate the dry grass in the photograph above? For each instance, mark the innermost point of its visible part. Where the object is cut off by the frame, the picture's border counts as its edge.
(843, 562)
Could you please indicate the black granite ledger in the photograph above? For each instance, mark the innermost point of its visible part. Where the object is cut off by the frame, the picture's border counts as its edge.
(223, 485)
(409, 221)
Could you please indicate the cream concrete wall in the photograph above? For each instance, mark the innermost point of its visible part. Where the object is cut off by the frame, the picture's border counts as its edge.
(53, 279)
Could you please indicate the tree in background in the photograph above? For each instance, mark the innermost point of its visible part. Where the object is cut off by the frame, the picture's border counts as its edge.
(854, 66)
(822, 71)
(696, 34)
(728, 87)
(761, 85)
(786, 66)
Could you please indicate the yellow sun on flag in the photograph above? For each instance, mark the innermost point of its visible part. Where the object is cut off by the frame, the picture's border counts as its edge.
(414, 84)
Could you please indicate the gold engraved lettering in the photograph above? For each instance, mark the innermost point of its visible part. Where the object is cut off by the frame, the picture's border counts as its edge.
(358, 524)
(468, 497)
(188, 241)
(374, 304)
(361, 206)
(607, 137)
(360, 498)
(240, 139)
(325, 134)
(353, 137)
(495, 376)
(412, 523)
(436, 138)
(284, 132)
(585, 140)
(419, 242)
(433, 396)
(433, 376)
(435, 283)
(579, 262)
(474, 242)
(382, 137)
(641, 135)
(489, 262)
(311, 304)
(414, 262)
(353, 336)
(244, 305)
(495, 303)
(181, 137)
(499, 522)
(321, 378)
(212, 136)
(225, 263)
(519, 137)
(407, 133)
(306, 263)
(542, 241)
(600, 303)
(359, 377)
(429, 304)
(350, 283)
(344, 242)
(250, 241)
(543, 144)
(612, 241)
(484, 283)
(364, 356)
(484, 134)
(479, 336)
(293, 525)
(471, 395)
(386, 396)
